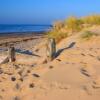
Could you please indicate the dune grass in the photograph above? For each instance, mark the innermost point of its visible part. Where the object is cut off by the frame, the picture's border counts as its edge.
(87, 35)
(57, 35)
(73, 24)
(63, 29)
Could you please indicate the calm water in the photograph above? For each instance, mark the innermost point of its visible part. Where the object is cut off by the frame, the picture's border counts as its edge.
(23, 28)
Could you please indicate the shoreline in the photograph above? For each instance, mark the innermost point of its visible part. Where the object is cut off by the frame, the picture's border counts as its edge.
(21, 33)
(14, 38)
(39, 32)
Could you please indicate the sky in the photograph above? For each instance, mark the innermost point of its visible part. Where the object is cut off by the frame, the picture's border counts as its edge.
(44, 11)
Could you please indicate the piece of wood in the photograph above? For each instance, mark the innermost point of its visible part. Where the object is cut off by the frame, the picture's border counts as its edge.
(4, 59)
(51, 49)
(11, 51)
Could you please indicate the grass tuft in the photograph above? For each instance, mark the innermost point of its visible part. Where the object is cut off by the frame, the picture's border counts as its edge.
(63, 29)
(57, 35)
(87, 35)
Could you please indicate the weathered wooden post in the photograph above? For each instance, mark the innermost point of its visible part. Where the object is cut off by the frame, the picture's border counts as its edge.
(11, 51)
(51, 49)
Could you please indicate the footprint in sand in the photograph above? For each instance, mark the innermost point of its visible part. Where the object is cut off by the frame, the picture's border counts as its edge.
(96, 82)
(58, 60)
(1, 70)
(28, 71)
(53, 85)
(83, 63)
(16, 98)
(3, 90)
(61, 86)
(88, 71)
(83, 54)
(51, 67)
(37, 50)
(1, 98)
(44, 61)
(98, 58)
(23, 73)
(83, 71)
(31, 85)
(21, 79)
(36, 75)
(88, 89)
(90, 49)
(91, 55)
(17, 86)
(13, 79)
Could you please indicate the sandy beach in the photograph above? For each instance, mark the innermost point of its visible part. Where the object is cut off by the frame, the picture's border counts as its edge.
(49, 50)
(74, 74)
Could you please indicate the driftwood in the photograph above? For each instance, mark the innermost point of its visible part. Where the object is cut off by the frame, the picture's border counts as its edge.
(11, 51)
(4, 60)
(51, 49)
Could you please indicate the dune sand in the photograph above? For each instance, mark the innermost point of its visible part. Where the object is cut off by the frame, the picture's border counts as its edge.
(73, 75)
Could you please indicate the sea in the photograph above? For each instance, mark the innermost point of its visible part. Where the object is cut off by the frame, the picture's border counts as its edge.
(11, 29)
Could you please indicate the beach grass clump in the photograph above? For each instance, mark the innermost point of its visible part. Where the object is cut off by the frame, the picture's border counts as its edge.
(73, 24)
(63, 29)
(57, 35)
(57, 31)
(91, 20)
(87, 35)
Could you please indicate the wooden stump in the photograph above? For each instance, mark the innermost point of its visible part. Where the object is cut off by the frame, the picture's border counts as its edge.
(11, 51)
(51, 49)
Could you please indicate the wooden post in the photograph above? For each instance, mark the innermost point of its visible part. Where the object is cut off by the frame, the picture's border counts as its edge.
(11, 51)
(51, 49)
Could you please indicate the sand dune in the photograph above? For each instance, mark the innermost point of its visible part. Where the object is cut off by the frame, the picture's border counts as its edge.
(74, 74)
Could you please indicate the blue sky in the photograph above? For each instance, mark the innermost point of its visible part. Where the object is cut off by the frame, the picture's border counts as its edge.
(44, 11)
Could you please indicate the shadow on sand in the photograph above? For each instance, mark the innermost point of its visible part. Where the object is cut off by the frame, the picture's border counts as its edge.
(26, 52)
(61, 50)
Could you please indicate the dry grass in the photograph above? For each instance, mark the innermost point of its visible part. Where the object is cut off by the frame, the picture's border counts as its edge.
(57, 35)
(87, 35)
(73, 25)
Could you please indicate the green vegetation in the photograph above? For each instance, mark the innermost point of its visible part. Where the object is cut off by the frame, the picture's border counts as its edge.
(73, 25)
(87, 35)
